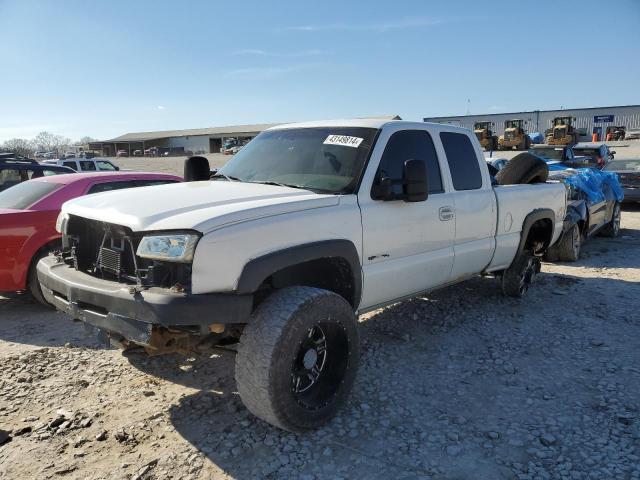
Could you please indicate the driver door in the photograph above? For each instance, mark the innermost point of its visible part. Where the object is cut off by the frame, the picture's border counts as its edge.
(407, 246)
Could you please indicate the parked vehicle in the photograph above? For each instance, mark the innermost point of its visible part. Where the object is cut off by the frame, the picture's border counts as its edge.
(484, 132)
(553, 153)
(633, 134)
(593, 208)
(515, 136)
(87, 155)
(69, 155)
(596, 155)
(615, 133)
(39, 154)
(86, 165)
(307, 226)
(562, 132)
(629, 173)
(13, 172)
(497, 162)
(122, 153)
(137, 153)
(28, 214)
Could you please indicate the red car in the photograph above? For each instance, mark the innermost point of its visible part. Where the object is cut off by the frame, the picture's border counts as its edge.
(28, 214)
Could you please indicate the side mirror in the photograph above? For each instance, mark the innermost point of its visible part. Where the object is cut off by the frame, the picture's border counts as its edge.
(415, 187)
(196, 169)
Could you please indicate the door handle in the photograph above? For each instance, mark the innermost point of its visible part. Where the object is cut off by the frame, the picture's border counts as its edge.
(446, 213)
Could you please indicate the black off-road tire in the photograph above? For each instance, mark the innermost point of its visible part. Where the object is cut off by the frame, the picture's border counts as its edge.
(273, 354)
(517, 279)
(32, 280)
(567, 249)
(523, 168)
(612, 229)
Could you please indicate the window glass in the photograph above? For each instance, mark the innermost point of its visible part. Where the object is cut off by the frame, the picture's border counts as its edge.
(70, 165)
(25, 194)
(87, 165)
(109, 186)
(410, 144)
(323, 159)
(104, 165)
(462, 159)
(151, 183)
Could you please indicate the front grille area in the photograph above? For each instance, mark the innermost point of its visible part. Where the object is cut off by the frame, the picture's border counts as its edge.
(108, 251)
(559, 132)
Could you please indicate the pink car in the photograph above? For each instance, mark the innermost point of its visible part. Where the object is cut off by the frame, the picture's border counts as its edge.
(28, 213)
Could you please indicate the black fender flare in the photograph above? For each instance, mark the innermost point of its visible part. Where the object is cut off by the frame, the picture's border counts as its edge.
(530, 219)
(257, 270)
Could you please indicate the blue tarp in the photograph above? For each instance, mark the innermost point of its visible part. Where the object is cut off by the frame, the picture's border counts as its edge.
(597, 185)
(536, 137)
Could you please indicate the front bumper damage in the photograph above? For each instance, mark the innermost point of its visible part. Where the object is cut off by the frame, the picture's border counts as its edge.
(151, 316)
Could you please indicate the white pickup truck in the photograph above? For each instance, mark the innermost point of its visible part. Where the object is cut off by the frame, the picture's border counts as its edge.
(306, 227)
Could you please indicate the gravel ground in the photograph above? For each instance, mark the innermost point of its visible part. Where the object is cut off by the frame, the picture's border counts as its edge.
(460, 384)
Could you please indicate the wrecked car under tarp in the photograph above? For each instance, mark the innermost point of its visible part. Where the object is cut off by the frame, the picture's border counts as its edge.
(596, 185)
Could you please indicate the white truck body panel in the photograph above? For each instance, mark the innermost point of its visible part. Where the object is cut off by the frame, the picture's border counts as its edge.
(404, 248)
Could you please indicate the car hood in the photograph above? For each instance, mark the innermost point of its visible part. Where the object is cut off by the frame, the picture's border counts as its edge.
(202, 206)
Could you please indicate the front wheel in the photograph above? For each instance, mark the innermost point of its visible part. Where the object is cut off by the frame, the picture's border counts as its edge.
(298, 358)
(520, 275)
(34, 283)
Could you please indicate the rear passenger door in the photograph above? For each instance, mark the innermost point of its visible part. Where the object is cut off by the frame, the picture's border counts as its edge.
(87, 165)
(407, 247)
(71, 164)
(475, 206)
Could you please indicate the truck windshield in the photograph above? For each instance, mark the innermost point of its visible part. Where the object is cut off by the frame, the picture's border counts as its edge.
(322, 159)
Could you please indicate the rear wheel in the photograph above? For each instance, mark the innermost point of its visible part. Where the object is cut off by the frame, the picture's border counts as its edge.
(298, 358)
(520, 275)
(613, 227)
(568, 248)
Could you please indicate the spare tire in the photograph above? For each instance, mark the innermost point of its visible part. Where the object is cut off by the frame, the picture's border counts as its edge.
(523, 168)
(493, 171)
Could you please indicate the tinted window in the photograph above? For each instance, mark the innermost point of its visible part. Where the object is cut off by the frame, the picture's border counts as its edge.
(70, 165)
(25, 194)
(151, 183)
(410, 144)
(87, 165)
(109, 186)
(463, 162)
(104, 165)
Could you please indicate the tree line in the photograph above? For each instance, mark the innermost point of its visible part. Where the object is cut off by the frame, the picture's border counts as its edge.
(42, 142)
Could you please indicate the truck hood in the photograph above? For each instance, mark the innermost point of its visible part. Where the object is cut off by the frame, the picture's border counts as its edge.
(202, 206)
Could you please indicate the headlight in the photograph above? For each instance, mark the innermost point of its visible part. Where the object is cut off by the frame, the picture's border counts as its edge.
(61, 222)
(170, 248)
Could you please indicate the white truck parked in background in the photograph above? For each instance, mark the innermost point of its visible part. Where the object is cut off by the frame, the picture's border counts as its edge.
(306, 227)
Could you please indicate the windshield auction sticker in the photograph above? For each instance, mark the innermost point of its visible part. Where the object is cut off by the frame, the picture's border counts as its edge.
(343, 140)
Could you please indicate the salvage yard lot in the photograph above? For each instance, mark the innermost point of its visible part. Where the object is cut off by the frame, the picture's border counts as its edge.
(462, 383)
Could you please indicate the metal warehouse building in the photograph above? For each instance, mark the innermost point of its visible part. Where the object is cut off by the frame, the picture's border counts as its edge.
(197, 140)
(588, 120)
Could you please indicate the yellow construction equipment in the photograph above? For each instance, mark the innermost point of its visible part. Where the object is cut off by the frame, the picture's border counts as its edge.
(514, 136)
(484, 132)
(562, 132)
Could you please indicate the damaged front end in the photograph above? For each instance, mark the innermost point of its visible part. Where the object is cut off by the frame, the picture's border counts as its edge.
(99, 278)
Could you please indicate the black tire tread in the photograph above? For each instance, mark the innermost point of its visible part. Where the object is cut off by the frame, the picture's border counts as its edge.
(563, 250)
(258, 345)
(522, 169)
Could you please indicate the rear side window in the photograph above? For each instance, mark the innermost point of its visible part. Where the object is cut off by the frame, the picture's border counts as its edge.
(87, 165)
(109, 186)
(71, 165)
(410, 144)
(463, 162)
(104, 165)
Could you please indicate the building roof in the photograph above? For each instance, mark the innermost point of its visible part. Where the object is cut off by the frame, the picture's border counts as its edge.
(564, 110)
(229, 130)
(222, 131)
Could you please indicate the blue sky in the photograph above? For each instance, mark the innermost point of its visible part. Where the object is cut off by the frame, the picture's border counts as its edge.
(103, 68)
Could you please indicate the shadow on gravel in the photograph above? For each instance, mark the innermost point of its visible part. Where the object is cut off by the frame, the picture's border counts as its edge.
(25, 321)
